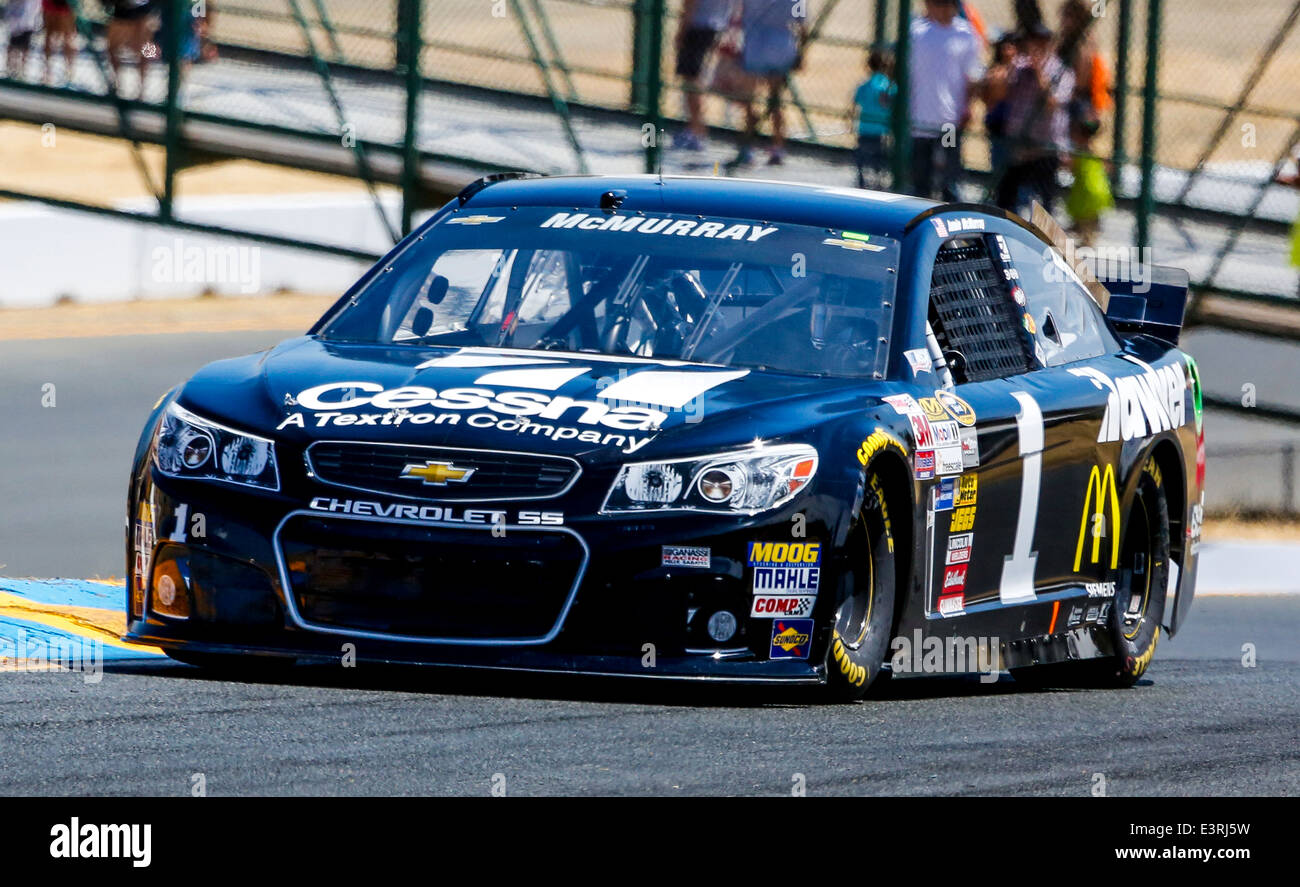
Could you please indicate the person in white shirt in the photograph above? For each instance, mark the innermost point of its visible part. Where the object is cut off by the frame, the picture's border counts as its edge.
(702, 22)
(945, 67)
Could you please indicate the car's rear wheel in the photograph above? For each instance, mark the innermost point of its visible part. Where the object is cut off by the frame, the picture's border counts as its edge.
(1140, 587)
(231, 664)
(864, 603)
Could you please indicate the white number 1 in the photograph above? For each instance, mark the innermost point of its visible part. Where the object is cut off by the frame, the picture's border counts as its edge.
(1018, 569)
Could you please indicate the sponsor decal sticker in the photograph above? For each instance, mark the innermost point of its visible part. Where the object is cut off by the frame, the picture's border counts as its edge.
(773, 606)
(963, 519)
(956, 407)
(1097, 520)
(474, 220)
(944, 494)
(946, 433)
(661, 225)
(1100, 589)
(922, 433)
(919, 360)
(785, 554)
(786, 580)
(877, 441)
(1019, 295)
(933, 409)
(939, 226)
(1030, 325)
(903, 404)
(924, 464)
(791, 638)
(854, 241)
(959, 548)
(952, 605)
(970, 448)
(948, 460)
(1142, 404)
(685, 556)
(954, 579)
(967, 490)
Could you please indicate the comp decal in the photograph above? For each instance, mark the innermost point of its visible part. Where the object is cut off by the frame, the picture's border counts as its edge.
(772, 606)
(1140, 405)
(791, 638)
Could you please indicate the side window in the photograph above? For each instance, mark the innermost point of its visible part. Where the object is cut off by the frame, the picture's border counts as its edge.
(977, 324)
(1067, 323)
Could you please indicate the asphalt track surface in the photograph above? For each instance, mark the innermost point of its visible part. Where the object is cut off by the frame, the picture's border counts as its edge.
(1200, 723)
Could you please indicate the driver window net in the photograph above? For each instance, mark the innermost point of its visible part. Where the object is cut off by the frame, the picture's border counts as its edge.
(972, 314)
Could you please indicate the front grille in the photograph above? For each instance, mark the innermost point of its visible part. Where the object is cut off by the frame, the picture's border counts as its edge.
(436, 583)
(379, 468)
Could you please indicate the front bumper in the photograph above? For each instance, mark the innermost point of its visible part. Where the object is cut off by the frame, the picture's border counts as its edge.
(254, 582)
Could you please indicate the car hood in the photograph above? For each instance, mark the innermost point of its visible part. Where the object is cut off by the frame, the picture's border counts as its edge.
(583, 405)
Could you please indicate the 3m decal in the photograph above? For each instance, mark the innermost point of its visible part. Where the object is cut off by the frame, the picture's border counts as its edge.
(922, 433)
(1093, 522)
(791, 638)
(1018, 568)
(958, 409)
(772, 606)
(1140, 405)
(685, 556)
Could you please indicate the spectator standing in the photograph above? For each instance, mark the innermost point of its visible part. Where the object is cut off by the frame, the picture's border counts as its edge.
(1090, 195)
(61, 31)
(1038, 100)
(944, 67)
(994, 91)
(873, 102)
(130, 27)
(702, 22)
(23, 20)
(774, 31)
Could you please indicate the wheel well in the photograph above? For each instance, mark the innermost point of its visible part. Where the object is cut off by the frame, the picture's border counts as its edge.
(1167, 459)
(896, 482)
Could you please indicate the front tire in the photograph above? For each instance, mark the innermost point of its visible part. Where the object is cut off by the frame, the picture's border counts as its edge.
(864, 602)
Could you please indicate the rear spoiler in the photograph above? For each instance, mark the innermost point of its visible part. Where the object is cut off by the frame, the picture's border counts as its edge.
(1153, 305)
(1143, 299)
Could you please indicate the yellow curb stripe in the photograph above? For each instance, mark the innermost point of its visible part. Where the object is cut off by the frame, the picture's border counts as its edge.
(85, 622)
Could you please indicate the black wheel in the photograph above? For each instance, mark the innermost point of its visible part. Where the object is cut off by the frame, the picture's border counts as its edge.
(232, 664)
(1140, 585)
(864, 603)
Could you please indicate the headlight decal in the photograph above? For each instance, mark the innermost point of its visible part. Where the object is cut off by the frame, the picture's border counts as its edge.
(741, 482)
(190, 446)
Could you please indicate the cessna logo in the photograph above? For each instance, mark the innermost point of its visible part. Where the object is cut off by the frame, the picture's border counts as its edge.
(1101, 485)
(437, 474)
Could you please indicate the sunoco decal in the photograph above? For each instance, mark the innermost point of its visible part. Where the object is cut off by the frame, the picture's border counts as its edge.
(791, 638)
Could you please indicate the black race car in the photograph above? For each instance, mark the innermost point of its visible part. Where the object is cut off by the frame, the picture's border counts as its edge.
(690, 428)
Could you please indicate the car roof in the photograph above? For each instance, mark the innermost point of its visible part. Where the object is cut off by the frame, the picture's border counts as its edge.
(872, 212)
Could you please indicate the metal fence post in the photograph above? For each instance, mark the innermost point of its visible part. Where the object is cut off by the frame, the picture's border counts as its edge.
(900, 164)
(179, 13)
(882, 22)
(1150, 93)
(1119, 153)
(653, 28)
(1288, 478)
(411, 45)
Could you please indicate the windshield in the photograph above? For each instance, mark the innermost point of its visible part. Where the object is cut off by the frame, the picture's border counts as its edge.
(746, 293)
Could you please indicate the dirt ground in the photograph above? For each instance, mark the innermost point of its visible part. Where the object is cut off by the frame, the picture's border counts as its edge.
(101, 170)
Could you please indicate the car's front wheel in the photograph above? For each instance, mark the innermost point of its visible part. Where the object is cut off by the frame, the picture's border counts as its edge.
(864, 602)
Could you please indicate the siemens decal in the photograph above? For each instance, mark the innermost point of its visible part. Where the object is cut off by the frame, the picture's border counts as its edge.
(1140, 405)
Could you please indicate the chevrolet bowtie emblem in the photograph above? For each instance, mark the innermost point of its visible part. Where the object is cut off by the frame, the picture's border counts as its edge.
(437, 474)
(474, 220)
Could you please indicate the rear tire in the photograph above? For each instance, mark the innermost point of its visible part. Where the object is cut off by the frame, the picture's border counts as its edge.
(864, 603)
(1135, 614)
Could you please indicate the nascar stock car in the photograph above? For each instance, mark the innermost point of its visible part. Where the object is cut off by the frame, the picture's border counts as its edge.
(688, 428)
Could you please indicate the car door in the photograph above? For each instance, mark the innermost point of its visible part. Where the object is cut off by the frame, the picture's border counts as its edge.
(994, 529)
